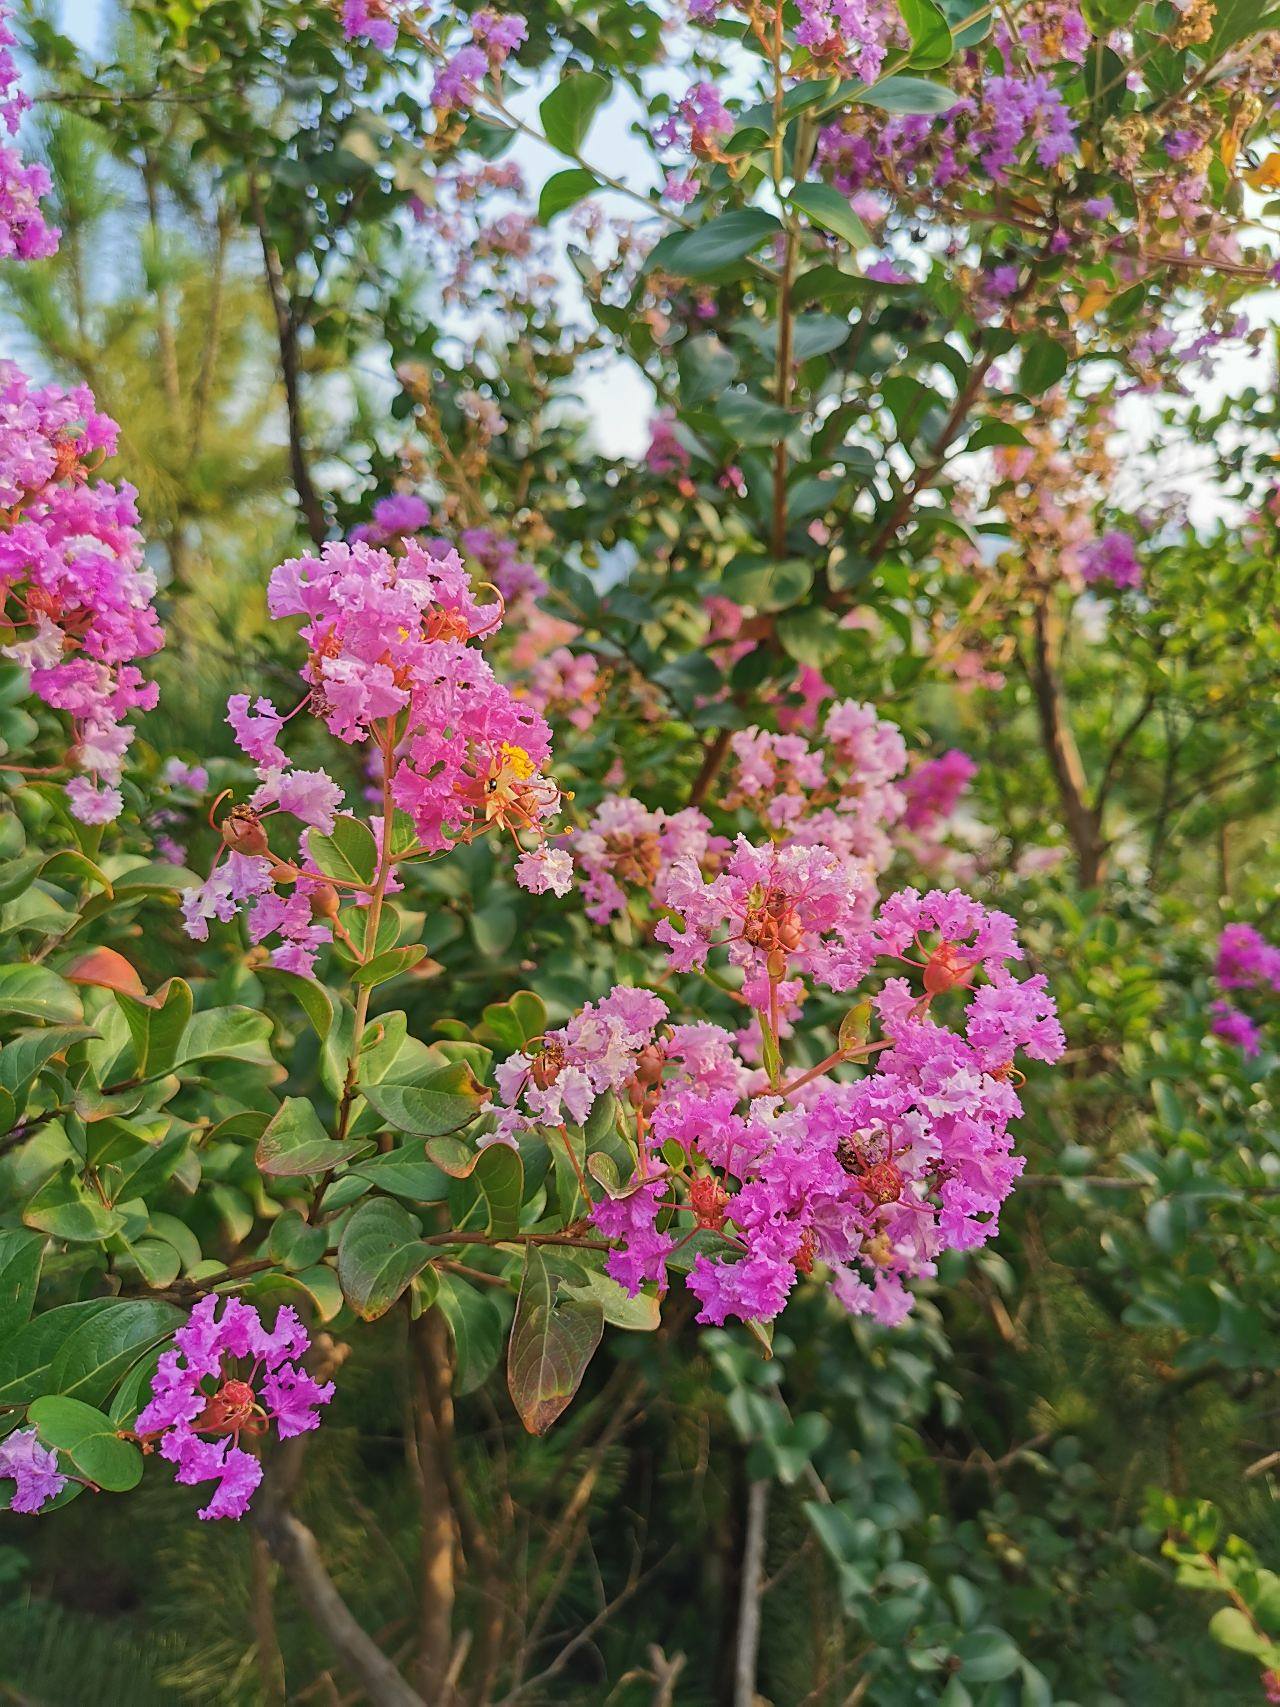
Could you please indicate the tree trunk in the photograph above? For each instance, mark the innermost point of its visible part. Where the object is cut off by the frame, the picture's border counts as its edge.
(1083, 823)
(433, 1430)
(750, 1595)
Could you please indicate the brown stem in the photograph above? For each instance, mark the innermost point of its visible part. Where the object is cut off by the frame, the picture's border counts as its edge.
(294, 1548)
(433, 1428)
(267, 1656)
(290, 367)
(750, 1595)
(1083, 821)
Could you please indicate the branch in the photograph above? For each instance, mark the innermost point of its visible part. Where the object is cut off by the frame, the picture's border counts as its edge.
(750, 1596)
(1082, 821)
(294, 1548)
(287, 337)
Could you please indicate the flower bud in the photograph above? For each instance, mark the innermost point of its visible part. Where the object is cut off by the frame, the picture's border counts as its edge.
(324, 900)
(243, 833)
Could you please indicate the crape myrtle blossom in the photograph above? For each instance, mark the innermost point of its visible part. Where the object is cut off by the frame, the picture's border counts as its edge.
(932, 789)
(494, 37)
(626, 846)
(1246, 965)
(1112, 558)
(391, 664)
(226, 1377)
(872, 1178)
(772, 907)
(33, 1470)
(75, 594)
(596, 1051)
(23, 231)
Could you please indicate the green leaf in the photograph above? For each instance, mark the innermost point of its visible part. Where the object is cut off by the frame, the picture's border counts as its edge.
(89, 1441)
(349, 853)
(405, 1172)
(564, 190)
(446, 1100)
(389, 964)
(930, 34)
(812, 635)
(553, 1339)
(1230, 1627)
(25, 1058)
(380, 1251)
(475, 1323)
(706, 366)
(293, 1243)
(765, 584)
(826, 207)
(640, 1314)
(499, 1173)
(910, 95)
(310, 995)
(513, 1024)
(34, 992)
(568, 110)
(717, 244)
(26, 1358)
(494, 928)
(20, 1257)
(295, 1142)
(17, 875)
(65, 1207)
(818, 335)
(103, 1347)
(1044, 361)
(750, 420)
(996, 433)
(157, 1030)
(229, 1034)
(986, 1655)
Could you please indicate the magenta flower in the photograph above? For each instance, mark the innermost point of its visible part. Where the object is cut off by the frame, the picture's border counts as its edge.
(72, 576)
(1112, 558)
(226, 1378)
(32, 1468)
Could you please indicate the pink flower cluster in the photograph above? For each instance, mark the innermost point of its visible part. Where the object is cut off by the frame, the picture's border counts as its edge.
(229, 1377)
(1112, 558)
(873, 1177)
(566, 684)
(848, 36)
(23, 231)
(395, 518)
(74, 589)
(494, 37)
(844, 795)
(1246, 964)
(627, 845)
(933, 788)
(596, 1052)
(794, 907)
(372, 21)
(391, 663)
(33, 1470)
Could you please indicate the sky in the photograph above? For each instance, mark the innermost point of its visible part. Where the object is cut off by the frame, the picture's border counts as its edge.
(620, 401)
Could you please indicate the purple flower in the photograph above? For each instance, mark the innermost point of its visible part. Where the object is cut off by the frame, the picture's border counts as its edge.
(1112, 558)
(226, 1377)
(32, 1468)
